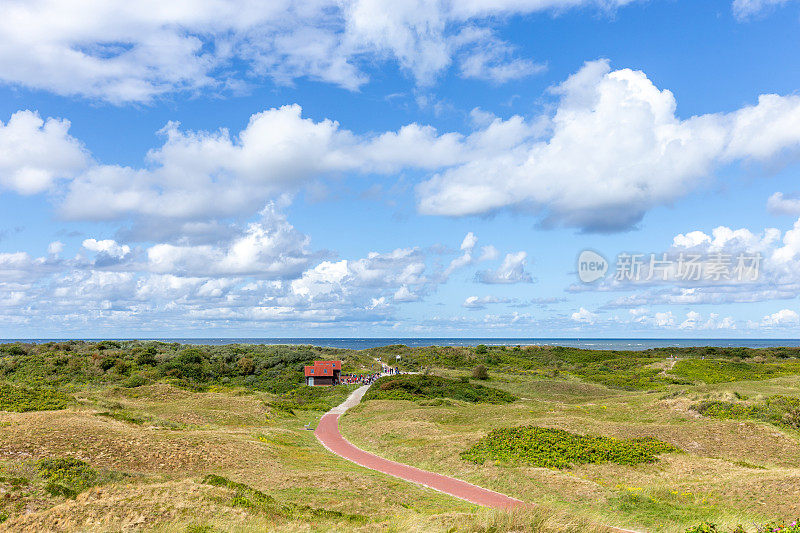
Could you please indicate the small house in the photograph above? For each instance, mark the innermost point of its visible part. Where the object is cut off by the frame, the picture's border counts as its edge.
(323, 373)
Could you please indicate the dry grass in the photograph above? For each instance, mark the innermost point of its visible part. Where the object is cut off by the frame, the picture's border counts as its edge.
(717, 478)
(731, 472)
(228, 434)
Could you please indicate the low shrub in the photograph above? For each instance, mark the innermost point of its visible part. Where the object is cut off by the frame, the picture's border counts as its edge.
(66, 476)
(781, 527)
(23, 399)
(141, 420)
(15, 482)
(415, 387)
(253, 499)
(136, 380)
(722, 371)
(628, 372)
(480, 372)
(704, 527)
(783, 411)
(556, 448)
(122, 416)
(310, 399)
(772, 527)
(245, 496)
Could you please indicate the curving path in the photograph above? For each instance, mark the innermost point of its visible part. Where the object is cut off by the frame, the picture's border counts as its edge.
(327, 433)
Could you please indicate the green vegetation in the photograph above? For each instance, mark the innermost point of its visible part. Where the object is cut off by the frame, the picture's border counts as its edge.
(776, 527)
(626, 370)
(243, 413)
(66, 476)
(556, 448)
(783, 411)
(252, 499)
(311, 398)
(419, 387)
(627, 373)
(71, 365)
(23, 399)
(141, 420)
(720, 371)
(480, 372)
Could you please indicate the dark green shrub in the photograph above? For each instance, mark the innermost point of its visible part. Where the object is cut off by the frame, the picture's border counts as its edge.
(136, 380)
(556, 448)
(107, 345)
(121, 366)
(12, 349)
(147, 357)
(190, 364)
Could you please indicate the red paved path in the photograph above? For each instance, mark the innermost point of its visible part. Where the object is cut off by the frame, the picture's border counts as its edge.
(328, 434)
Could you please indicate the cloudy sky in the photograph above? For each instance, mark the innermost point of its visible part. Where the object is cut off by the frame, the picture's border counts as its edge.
(358, 168)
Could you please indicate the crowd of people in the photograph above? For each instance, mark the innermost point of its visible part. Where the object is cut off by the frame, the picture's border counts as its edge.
(367, 379)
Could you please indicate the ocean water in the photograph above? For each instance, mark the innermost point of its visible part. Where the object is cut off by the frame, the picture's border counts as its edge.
(363, 343)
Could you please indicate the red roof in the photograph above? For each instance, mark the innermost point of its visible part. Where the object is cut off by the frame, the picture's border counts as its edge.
(323, 368)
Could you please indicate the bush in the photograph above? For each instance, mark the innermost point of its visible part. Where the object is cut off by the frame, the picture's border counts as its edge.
(136, 380)
(12, 349)
(311, 398)
(556, 448)
(22, 399)
(66, 476)
(719, 371)
(190, 364)
(255, 500)
(414, 387)
(480, 372)
(481, 349)
(705, 527)
(147, 357)
(783, 411)
(246, 365)
(778, 527)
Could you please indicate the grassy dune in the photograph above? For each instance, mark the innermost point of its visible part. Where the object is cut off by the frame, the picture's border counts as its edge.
(168, 438)
(731, 472)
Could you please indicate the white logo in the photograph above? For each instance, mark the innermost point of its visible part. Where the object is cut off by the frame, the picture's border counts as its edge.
(591, 266)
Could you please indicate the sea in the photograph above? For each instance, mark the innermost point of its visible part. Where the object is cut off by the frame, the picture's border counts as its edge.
(356, 343)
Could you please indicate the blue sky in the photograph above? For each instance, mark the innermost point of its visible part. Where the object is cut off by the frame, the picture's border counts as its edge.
(413, 168)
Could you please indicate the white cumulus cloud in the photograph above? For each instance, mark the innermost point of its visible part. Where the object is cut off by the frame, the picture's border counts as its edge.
(511, 270)
(34, 153)
(136, 51)
(108, 247)
(616, 150)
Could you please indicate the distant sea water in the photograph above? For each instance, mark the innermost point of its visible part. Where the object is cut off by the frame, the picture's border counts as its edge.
(363, 343)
